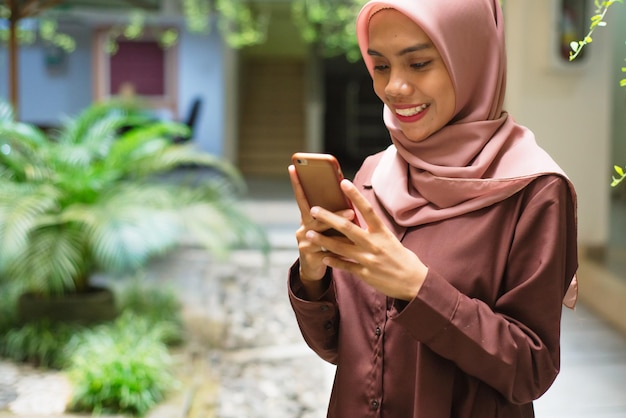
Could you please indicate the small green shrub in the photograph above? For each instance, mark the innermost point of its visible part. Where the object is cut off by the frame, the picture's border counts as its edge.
(116, 367)
(159, 305)
(40, 343)
(8, 310)
(123, 367)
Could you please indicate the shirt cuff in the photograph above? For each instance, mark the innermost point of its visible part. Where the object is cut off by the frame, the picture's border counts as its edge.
(431, 311)
(297, 291)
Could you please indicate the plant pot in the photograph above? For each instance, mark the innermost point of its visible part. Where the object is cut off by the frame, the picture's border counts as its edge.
(95, 305)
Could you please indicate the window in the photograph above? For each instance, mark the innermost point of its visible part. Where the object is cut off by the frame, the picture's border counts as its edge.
(140, 68)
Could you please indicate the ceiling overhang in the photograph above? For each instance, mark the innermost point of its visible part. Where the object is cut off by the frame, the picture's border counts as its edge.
(147, 5)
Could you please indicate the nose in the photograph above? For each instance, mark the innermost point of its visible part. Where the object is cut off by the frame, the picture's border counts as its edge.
(398, 85)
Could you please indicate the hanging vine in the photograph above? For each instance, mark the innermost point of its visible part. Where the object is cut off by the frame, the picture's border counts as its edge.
(598, 20)
(240, 22)
(329, 25)
(29, 30)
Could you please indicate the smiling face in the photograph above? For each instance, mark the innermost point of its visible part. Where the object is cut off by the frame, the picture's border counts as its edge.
(409, 75)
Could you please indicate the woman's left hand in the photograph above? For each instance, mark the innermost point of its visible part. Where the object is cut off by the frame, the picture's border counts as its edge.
(373, 253)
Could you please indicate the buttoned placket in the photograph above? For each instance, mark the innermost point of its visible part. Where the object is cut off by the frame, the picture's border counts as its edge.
(376, 396)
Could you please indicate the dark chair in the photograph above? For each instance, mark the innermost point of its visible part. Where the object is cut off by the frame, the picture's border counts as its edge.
(190, 121)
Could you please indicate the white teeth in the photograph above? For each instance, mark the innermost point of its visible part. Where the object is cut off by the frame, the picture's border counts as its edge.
(411, 111)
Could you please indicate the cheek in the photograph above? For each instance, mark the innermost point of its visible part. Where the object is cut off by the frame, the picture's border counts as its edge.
(450, 94)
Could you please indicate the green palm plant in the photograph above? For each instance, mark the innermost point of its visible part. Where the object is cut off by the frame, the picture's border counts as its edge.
(91, 197)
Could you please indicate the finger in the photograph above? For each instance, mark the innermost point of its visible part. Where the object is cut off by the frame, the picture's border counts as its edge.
(303, 204)
(340, 221)
(328, 244)
(361, 204)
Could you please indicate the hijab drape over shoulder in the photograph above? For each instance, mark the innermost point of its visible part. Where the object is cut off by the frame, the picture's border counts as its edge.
(482, 156)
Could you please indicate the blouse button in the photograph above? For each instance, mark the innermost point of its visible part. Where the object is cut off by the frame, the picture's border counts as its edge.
(378, 331)
(324, 308)
(374, 404)
(328, 325)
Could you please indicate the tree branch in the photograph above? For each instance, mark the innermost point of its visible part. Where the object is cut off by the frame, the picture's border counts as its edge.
(35, 7)
(142, 4)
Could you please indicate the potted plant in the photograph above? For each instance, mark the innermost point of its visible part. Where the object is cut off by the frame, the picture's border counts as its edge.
(94, 196)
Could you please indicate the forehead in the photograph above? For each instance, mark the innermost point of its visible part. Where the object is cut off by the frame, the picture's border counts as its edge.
(387, 27)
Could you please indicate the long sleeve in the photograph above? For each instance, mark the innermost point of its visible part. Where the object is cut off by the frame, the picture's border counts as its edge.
(509, 339)
(318, 320)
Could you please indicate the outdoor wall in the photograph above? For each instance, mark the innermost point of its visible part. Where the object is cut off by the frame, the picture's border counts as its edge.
(46, 96)
(569, 109)
(618, 26)
(201, 74)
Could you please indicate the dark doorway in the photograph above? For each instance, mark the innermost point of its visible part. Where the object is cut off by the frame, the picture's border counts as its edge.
(353, 120)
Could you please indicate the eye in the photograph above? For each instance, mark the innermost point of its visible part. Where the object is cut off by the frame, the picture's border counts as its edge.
(421, 65)
(380, 67)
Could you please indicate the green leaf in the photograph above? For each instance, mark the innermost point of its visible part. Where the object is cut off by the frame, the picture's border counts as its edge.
(574, 45)
(619, 170)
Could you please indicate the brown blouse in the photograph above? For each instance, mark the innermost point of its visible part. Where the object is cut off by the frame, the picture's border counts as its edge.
(481, 338)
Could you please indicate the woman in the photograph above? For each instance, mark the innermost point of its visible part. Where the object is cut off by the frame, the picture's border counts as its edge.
(446, 301)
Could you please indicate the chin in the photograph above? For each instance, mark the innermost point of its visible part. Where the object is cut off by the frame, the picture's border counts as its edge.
(415, 137)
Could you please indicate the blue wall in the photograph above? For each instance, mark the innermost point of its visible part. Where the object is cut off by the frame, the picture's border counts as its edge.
(47, 96)
(201, 74)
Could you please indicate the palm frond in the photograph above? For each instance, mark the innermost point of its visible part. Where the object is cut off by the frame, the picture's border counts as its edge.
(128, 226)
(134, 139)
(18, 132)
(53, 261)
(95, 118)
(215, 221)
(21, 209)
(180, 155)
(23, 150)
(6, 111)
(132, 150)
(79, 144)
(221, 229)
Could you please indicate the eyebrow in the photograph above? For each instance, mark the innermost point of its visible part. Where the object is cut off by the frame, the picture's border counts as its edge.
(408, 50)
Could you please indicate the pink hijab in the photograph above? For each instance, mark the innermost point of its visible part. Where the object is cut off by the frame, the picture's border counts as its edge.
(482, 156)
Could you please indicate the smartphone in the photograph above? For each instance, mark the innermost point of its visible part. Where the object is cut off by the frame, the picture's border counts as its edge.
(320, 175)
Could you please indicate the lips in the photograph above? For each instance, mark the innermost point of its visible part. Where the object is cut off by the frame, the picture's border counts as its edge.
(412, 113)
